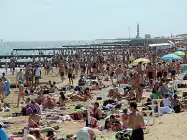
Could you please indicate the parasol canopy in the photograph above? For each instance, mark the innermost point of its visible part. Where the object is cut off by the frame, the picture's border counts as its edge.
(170, 57)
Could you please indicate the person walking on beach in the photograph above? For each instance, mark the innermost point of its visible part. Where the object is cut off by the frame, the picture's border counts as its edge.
(21, 93)
(70, 75)
(119, 74)
(37, 74)
(61, 70)
(20, 76)
(135, 122)
(2, 87)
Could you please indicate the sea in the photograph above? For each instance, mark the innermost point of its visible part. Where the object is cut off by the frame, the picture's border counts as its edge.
(7, 47)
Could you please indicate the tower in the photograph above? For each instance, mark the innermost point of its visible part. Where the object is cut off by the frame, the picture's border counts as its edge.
(138, 31)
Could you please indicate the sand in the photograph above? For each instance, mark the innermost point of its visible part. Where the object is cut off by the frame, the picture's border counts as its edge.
(173, 126)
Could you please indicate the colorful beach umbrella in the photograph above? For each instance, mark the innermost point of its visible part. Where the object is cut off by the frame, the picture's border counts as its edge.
(179, 53)
(143, 60)
(170, 57)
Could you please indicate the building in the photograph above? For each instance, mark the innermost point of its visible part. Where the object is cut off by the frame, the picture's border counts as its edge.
(147, 36)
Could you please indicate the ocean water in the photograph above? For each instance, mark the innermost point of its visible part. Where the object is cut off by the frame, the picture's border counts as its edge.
(7, 47)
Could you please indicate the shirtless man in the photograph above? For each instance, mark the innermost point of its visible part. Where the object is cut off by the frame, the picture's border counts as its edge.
(2, 87)
(119, 74)
(61, 70)
(97, 111)
(135, 122)
(165, 70)
(77, 66)
(150, 74)
(21, 93)
(70, 75)
(159, 71)
(20, 76)
(140, 87)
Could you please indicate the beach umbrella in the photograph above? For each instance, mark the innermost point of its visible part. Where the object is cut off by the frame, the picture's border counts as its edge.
(170, 57)
(181, 49)
(143, 60)
(179, 53)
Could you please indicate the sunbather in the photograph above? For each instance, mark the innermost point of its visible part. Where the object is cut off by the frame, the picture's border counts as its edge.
(49, 103)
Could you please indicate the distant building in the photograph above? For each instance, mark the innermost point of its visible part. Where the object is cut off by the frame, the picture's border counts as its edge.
(147, 36)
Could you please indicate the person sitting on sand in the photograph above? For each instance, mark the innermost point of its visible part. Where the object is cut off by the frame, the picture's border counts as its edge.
(80, 96)
(97, 113)
(176, 104)
(86, 133)
(81, 81)
(51, 89)
(107, 125)
(40, 99)
(115, 124)
(48, 104)
(114, 94)
(125, 118)
(62, 99)
(33, 106)
(34, 119)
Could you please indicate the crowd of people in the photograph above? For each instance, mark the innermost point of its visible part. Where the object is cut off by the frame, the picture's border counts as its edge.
(93, 71)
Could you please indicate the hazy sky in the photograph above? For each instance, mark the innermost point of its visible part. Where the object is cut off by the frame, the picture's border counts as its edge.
(48, 20)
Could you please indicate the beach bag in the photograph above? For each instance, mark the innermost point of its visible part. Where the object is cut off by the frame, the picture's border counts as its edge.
(122, 135)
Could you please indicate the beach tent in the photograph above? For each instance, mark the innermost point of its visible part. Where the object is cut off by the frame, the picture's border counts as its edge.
(170, 57)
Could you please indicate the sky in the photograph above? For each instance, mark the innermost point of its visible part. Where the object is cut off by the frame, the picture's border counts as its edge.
(58, 20)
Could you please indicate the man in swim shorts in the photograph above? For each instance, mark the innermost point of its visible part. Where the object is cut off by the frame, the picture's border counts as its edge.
(119, 74)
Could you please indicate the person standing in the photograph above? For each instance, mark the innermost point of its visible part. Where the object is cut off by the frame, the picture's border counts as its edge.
(21, 93)
(70, 75)
(20, 76)
(2, 89)
(61, 70)
(135, 122)
(119, 74)
(37, 75)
